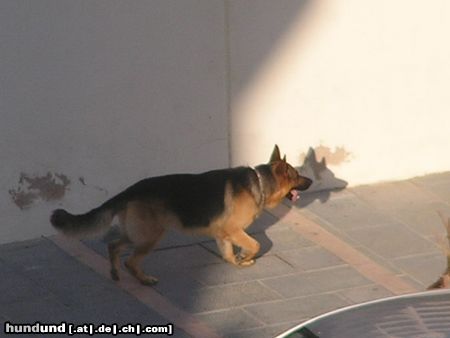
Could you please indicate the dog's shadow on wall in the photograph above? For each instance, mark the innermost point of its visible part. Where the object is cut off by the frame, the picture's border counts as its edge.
(325, 182)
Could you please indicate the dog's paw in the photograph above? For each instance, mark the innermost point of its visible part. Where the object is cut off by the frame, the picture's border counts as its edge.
(149, 281)
(246, 263)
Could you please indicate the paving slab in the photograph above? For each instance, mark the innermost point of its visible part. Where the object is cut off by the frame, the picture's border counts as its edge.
(386, 263)
(273, 240)
(285, 239)
(413, 281)
(348, 212)
(288, 310)
(424, 268)
(220, 274)
(316, 282)
(310, 258)
(424, 220)
(229, 320)
(392, 240)
(224, 297)
(364, 293)
(394, 195)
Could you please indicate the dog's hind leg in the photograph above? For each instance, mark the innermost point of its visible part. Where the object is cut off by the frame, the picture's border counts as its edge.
(114, 249)
(134, 261)
(249, 247)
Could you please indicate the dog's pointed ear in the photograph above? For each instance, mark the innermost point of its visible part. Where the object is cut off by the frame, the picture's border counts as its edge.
(275, 155)
(280, 167)
(284, 159)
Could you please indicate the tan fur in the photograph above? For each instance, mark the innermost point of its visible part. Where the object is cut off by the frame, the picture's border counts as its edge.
(276, 198)
(143, 223)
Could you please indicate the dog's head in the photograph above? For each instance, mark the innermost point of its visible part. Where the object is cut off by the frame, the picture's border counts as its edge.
(289, 181)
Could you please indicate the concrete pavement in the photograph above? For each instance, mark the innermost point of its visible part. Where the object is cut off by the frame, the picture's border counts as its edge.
(330, 250)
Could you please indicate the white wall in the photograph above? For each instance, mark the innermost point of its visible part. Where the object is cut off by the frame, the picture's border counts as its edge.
(95, 94)
(371, 77)
(108, 91)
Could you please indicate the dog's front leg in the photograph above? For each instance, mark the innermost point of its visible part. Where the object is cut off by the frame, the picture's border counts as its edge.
(249, 247)
(226, 249)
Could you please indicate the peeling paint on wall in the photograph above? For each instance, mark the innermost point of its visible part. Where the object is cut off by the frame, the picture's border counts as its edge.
(337, 157)
(96, 187)
(31, 188)
(81, 179)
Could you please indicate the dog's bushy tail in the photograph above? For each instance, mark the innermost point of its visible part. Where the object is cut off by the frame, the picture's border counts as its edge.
(93, 222)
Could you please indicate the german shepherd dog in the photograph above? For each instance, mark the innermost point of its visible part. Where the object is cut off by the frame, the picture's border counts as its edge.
(219, 203)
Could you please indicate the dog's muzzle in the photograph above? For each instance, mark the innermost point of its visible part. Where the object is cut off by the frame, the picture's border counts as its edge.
(294, 194)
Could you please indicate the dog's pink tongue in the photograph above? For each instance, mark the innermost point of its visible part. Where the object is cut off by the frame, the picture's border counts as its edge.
(295, 195)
